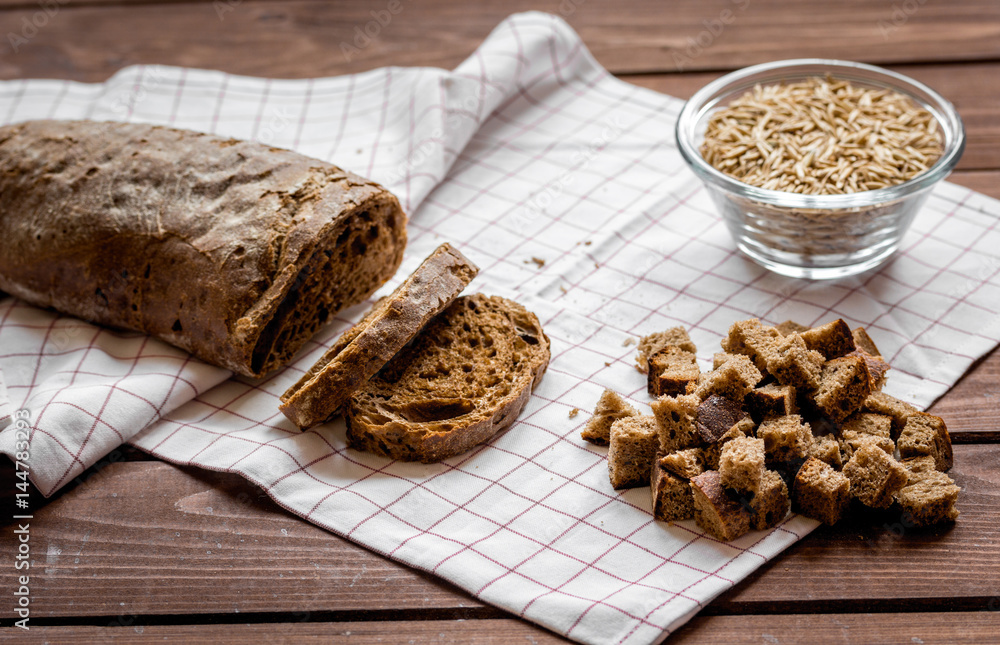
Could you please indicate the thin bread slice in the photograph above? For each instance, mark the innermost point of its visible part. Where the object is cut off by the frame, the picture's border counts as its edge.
(367, 346)
(463, 379)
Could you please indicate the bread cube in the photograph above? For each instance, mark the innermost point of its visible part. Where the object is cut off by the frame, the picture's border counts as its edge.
(877, 369)
(752, 339)
(786, 439)
(844, 386)
(686, 463)
(898, 411)
(676, 416)
(741, 463)
(929, 499)
(719, 358)
(771, 400)
(820, 492)
(831, 340)
(716, 511)
(770, 502)
(875, 476)
(713, 452)
(866, 427)
(610, 407)
(851, 441)
(672, 498)
(863, 341)
(878, 425)
(634, 443)
(926, 435)
(827, 449)
(716, 415)
(918, 467)
(795, 364)
(670, 371)
(673, 337)
(790, 327)
(733, 380)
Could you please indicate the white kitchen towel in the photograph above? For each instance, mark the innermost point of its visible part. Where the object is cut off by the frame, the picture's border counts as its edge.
(564, 185)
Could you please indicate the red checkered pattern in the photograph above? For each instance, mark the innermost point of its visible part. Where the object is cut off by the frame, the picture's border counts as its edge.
(564, 185)
(85, 389)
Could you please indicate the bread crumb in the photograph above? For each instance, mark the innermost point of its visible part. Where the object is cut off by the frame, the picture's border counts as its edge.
(563, 289)
(539, 261)
(574, 412)
(628, 342)
(588, 243)
(607, 363)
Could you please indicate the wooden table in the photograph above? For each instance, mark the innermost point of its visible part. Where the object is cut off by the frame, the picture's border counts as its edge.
(138, 550)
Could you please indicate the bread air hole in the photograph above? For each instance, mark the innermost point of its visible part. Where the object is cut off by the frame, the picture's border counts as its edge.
(435, 410)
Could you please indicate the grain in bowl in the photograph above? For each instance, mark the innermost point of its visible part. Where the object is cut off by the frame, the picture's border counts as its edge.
(818, 167)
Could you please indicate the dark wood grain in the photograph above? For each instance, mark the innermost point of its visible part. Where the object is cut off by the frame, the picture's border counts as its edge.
(479, 632)
(151, 538)
(302, 38)
(986, 182)
(972, 406)
(861, 629)
(294, 38)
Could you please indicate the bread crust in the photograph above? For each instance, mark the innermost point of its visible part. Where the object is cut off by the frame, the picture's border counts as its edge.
(367, 346)
(232, 250)
(438, 398)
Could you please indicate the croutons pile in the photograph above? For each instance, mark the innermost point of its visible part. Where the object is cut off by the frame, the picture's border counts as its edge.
(788, 417)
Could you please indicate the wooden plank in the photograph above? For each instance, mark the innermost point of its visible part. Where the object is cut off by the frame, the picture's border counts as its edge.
(972, 406)
(476, 632)
(150, 538)
(902, 628)
(302, 38)
(877, 558)
(299, 39)
(951, 627)
(986, 182)
(974, 88)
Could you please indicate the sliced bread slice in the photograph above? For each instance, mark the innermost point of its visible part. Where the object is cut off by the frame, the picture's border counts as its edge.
(463, 379)
(367, 346)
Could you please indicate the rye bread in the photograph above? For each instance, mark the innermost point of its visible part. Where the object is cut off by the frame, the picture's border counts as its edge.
(234, 251)
(367, 346)
(463, 379)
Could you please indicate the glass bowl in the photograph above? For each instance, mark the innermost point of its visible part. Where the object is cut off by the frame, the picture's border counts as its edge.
(816, 236)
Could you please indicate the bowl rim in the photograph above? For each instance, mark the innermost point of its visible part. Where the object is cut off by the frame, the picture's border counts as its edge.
(702, 101)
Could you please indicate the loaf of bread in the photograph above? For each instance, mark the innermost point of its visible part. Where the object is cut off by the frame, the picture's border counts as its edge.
(234, 251)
